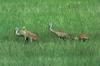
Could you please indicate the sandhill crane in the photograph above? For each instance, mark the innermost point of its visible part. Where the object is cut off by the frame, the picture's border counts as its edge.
(81, 37)
(60, 34)
(26, 34)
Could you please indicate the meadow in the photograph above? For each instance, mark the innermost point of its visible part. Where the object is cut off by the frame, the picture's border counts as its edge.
(72, 16)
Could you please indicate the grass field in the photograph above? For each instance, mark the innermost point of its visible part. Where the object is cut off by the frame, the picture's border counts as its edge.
(73, 16)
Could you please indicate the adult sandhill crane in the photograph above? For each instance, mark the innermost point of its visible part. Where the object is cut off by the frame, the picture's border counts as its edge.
(60, 34)
(26, 34)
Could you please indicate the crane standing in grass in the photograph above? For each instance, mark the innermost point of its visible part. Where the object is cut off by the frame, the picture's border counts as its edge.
(26, 34)
(81, 37)
(60, 34)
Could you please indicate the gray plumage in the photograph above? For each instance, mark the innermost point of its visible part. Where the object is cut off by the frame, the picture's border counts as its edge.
(60, 34)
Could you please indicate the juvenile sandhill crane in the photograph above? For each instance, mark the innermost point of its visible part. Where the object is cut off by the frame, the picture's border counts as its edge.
(60, 34)
(26, 34)
(81, 37)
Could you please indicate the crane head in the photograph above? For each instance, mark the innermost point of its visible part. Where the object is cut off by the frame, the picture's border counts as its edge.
(50, 25)
(17, 31)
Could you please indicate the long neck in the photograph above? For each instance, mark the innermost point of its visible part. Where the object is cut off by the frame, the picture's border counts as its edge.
(50, 28)
(17, 32)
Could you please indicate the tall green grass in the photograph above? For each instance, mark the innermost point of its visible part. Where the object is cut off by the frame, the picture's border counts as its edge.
(72, 16)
